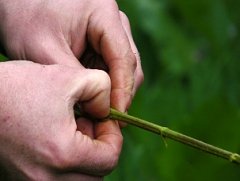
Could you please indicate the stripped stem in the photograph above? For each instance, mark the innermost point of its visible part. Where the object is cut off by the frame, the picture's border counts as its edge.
(176, 136)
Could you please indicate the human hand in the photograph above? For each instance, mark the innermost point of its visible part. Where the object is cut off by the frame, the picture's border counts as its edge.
(65, 32)
(39, 136)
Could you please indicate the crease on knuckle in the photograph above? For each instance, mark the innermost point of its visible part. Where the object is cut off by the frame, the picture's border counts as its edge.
(112, 162)
(60, 157)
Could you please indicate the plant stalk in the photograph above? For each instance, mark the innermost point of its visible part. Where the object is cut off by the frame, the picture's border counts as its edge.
(176, 136)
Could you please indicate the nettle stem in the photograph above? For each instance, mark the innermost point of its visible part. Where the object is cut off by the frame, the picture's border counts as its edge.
(168, 133)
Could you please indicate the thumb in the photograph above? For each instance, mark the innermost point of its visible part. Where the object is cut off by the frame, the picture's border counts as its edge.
(91, 88)
(97, 154)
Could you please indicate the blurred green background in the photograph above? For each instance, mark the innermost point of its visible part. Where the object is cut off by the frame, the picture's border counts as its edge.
(190, 53)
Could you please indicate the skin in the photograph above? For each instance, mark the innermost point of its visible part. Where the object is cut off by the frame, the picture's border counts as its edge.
(76, 33)
(76, 36)
(46, 142)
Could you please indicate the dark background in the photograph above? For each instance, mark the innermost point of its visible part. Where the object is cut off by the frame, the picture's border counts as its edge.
(190, 52)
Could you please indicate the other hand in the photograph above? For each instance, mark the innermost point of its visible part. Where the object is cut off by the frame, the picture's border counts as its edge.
(39, 136)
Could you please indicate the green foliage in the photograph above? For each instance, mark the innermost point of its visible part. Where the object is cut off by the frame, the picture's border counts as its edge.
(2, 58)
(190, 55)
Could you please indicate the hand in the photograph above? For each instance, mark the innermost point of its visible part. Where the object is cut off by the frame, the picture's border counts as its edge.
(64, 32)
(39, 136)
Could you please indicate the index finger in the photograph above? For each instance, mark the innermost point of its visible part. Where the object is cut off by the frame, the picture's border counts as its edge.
(108, 38)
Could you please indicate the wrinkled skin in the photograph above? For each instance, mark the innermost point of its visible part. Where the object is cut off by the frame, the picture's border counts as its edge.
(39, 137)
(62, 31)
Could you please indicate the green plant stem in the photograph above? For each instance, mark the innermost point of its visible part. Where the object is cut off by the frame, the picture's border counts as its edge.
(168, 133)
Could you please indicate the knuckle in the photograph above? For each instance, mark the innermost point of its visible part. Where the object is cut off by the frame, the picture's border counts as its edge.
(115, 153)
(132, 60)
(123, 15)
(105, 80)
(109, 5)
(59, 157)
(112, 158)
(112, 165)
(124, 18)
(112, 162)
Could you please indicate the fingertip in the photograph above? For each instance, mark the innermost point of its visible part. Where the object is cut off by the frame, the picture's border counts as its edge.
(121, 99)
(99, 86)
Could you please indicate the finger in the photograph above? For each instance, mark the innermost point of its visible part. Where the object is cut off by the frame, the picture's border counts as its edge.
(138, 72)
(86, 127)
(82, 153)
(108, 38)
(49, 48)
(100, 155)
